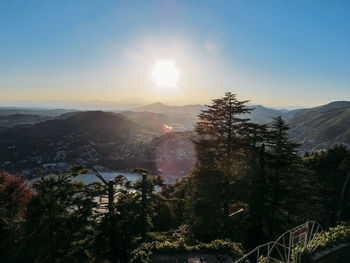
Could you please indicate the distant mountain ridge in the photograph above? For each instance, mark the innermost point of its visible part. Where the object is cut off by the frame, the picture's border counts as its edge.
(332, 105)
(5, 111)
(315, 128)
(122, 139)
(259, 114)
(321, 127)
(159, 107)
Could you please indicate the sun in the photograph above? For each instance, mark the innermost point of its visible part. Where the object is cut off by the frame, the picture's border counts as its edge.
(165, 74)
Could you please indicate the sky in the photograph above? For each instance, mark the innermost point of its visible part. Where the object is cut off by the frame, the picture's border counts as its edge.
(275, 53)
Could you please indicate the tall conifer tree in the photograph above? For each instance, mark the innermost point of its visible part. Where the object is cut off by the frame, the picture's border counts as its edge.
(221, 131)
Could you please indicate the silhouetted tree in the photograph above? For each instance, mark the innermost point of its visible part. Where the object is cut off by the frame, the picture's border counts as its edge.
(205, 204)
(59, 221)
(146, 198)
(287, 179)
(15, 194)
(220, 129)
(331, 183)
(173, 203)
(221, 133)
(257, 186)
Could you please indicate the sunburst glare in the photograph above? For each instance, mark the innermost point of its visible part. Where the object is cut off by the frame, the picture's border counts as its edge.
(165, 74)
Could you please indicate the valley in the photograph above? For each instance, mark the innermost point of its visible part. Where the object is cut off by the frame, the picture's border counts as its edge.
(158, 137)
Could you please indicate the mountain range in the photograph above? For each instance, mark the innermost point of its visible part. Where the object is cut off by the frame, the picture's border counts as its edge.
(34, 138)
(260, 114)
(315, 128)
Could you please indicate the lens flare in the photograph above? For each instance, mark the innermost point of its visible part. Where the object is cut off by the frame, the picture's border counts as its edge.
(165, 74)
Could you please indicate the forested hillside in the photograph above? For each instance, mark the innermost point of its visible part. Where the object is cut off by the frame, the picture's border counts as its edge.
(322, 127)
(249, 185)
(94, 138)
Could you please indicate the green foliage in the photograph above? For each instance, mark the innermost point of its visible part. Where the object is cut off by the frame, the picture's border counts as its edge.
(331, 178)
(144, 197)
(171, 205)
(206, 205)
(15, 194)
(214, 192)
(218, 247)
(334, 236)
(59, 221)
(221, 129)
(249, 185)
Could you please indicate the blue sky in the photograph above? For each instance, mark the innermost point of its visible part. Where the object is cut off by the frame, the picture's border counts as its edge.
(276, 53)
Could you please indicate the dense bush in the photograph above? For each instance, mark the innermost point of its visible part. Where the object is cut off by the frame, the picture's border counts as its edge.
(336, 235)
(331, 238)
(145, 251)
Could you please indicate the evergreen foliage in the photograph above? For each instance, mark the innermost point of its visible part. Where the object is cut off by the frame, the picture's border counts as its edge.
(15, 194)
(218, 247)
(249, 185)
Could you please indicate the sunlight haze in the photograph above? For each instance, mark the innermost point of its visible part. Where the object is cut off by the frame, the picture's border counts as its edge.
(273, 53)
(165, 74)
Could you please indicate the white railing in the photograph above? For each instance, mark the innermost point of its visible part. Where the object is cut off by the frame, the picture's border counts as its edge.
(288, 246)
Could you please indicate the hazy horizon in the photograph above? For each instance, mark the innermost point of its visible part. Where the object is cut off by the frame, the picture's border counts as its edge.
(119, 104)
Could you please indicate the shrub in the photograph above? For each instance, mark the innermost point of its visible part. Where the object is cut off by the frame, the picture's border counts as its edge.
(218, 247)
(331, 238)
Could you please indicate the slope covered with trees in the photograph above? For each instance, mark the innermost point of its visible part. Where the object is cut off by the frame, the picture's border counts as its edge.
(248, 186)
(322, 127)
(94, 138)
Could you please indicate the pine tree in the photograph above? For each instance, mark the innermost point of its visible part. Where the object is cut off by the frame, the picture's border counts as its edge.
(205, 204)
(220, 129)
(145, 198)
(257, 186)
(59, 221)
(287, 179)
(221, 133)
(331, 175)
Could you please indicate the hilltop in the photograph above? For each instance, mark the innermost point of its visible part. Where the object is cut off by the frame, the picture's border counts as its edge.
(94, 138)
